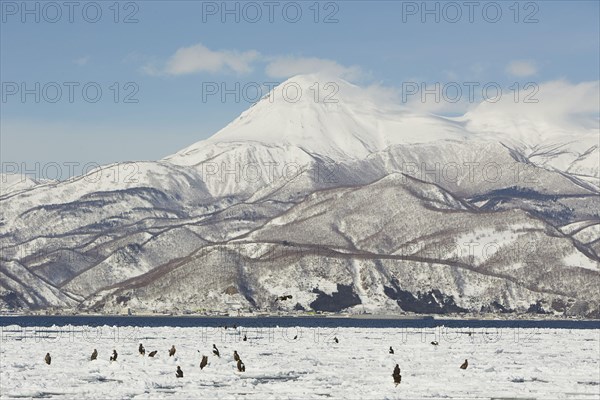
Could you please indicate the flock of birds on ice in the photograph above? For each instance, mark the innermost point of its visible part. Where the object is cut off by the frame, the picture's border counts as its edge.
(241, 367)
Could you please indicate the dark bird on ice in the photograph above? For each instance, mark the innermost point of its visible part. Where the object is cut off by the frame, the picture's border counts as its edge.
(435, 343)
(114, 356)
(94, 355)
(179, 372)
(204, 362)
(152, 353)
(240, 366)
(48, 359)
(464, 365)
(172, 351)
(295, 337)
(245, 338)
(283, 298)
(396, 375)
(335, 339)
(141, 349)
(391, 350)
(216, 351)
(236, 356)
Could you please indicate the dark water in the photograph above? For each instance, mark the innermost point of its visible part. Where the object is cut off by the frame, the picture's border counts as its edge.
(308, 322)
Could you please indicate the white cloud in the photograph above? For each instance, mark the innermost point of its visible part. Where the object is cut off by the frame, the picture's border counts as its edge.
(552, 99)
(559, 102)
(556, 104)
(285, 67)
(429, 104)
(199, 58)
(521, 68)
(81, 61)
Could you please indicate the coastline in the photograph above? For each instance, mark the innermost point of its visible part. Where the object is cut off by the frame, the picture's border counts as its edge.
(258, 316)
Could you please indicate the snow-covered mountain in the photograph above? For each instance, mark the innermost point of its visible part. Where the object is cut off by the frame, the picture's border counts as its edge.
(335, 196)
(346, 123)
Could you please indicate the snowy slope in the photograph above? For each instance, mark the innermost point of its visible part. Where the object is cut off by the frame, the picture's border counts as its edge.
(16, 182)
(566, 139)
(395, 235)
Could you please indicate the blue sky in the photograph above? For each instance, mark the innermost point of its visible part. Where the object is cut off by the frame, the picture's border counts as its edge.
(176, 46)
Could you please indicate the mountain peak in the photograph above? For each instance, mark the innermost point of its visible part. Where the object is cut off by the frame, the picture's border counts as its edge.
(324, 115)
(313, 90)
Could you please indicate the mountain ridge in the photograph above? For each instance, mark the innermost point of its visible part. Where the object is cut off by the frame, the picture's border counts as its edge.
(318, 199)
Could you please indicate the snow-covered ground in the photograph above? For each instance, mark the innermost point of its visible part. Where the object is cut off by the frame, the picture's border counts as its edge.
(524, 363)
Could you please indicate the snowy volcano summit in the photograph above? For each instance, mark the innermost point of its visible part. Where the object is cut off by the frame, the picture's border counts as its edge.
(324, 116)
(331, 194)
(311, 118)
